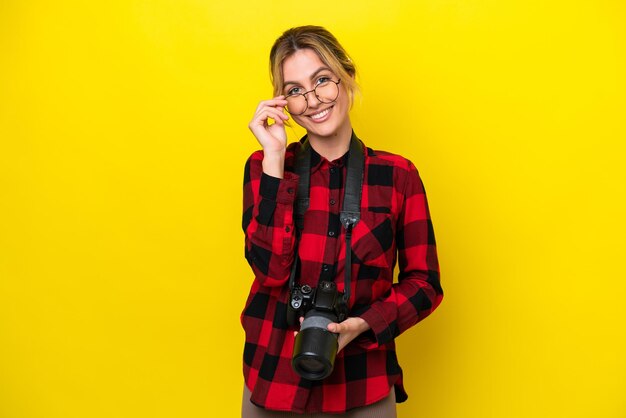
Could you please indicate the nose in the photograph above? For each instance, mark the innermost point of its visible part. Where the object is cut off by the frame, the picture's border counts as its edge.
(311, 99)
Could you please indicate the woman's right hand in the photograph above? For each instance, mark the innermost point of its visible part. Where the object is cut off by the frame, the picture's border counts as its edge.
(272, 138)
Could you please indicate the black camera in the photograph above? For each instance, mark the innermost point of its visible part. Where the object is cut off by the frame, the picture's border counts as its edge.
(315, 347)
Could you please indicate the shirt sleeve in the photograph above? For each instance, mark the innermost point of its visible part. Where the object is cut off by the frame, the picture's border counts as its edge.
(268, 222)
(418, 291)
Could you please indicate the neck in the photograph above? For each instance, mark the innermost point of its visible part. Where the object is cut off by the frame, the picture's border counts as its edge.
(333, 146)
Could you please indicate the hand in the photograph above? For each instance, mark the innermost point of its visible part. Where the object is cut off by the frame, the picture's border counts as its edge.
(272, 138)
(348, 330)
(296, 332)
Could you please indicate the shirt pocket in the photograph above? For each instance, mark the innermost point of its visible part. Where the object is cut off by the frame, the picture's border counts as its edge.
(373, 241)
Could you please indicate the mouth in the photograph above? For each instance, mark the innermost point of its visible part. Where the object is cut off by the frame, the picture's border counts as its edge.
(321, 116)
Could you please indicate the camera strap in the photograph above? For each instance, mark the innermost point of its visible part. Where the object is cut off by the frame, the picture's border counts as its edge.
(351, 207)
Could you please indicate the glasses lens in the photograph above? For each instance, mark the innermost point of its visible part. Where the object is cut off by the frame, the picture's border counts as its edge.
(327, 92)
(296, 104)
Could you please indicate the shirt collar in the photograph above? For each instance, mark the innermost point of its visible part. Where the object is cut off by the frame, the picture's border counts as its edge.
(319, 162)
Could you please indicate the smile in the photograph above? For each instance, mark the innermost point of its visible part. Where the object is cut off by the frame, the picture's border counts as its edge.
(321, 115)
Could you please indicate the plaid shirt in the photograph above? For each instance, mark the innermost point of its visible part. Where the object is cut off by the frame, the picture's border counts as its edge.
(395, 226)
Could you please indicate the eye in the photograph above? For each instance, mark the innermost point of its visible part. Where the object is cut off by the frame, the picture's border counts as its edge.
(294, 90)
(323, 79)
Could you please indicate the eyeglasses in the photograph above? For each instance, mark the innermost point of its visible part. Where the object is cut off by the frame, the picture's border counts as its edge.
(326, 91)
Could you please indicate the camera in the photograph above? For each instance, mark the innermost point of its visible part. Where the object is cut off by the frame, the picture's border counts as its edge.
(315, 347)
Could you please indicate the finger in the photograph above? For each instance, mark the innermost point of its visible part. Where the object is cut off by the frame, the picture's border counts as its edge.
(278, 101)
(263, 121)
(278, 112)
(335, 327)
(269, 112)
(296, 332)
(281, 99)
(340, 344)
(282, 119)
(278, 122)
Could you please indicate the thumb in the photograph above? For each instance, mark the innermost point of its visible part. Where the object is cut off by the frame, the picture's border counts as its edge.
(335, 327)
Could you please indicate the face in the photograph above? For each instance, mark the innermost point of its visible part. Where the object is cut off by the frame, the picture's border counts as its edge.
(303, 71)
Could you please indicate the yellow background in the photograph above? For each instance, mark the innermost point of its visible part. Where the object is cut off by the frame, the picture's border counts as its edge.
(123, 134)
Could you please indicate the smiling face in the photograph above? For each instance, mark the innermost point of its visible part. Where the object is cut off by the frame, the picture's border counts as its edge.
(302, 72)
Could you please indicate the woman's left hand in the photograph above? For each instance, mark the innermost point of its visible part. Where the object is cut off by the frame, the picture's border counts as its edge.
(348, 330)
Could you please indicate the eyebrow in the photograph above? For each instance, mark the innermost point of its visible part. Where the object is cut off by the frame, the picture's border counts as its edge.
(319, 70)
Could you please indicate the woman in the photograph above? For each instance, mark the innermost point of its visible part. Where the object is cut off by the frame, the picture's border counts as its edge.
(314, 80)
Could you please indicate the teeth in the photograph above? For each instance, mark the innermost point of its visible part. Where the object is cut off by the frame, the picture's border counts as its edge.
(321, 114)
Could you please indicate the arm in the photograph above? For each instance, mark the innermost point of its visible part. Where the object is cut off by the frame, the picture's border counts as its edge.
(418, 291)
(268, 221)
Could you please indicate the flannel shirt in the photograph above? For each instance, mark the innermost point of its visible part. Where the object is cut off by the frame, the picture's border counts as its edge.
(395, 226)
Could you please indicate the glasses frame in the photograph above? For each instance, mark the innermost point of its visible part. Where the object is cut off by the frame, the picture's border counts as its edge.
(316, 95)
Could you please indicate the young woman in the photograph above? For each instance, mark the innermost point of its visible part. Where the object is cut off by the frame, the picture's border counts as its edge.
(314, 81)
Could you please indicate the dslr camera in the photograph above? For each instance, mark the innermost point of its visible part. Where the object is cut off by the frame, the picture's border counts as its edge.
(315, 347)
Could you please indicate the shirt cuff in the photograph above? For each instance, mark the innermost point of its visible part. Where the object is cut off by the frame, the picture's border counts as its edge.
(277, 189)
(379, 327)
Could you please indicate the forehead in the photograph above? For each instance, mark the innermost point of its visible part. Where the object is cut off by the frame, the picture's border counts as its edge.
(301, 65)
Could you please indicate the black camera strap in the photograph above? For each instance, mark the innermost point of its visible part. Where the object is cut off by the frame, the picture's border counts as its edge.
(351, 207)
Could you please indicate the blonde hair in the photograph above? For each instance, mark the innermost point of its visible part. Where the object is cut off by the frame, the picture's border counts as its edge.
(324, 44)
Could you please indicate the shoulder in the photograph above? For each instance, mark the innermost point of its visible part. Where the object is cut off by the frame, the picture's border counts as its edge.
(384, 168)
(379, 160)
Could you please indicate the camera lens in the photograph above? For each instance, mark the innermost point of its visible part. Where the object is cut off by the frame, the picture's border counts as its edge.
(311, 365)
(315, 347)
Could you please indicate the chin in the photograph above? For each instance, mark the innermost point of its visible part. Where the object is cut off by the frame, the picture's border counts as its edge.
(323, 131)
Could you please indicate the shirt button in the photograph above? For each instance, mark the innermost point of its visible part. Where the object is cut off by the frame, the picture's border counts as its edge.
(332, 201)
(287, 229)
(332, 170)
(325, 267)
(331, 233)
(290, 190)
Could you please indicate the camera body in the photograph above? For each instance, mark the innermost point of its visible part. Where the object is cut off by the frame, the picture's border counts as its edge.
(315, 347)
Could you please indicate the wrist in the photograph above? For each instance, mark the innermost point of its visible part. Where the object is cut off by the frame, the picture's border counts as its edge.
(274, 163)
(362, 324)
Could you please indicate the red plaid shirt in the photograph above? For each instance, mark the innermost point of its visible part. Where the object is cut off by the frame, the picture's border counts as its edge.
(395, 226)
